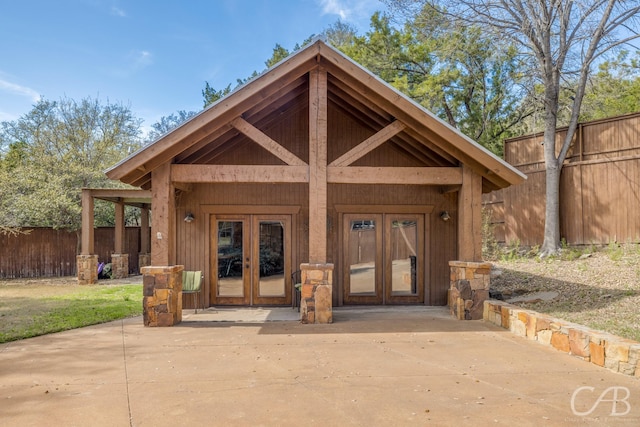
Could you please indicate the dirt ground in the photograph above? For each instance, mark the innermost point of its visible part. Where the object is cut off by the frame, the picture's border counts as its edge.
(600, 290)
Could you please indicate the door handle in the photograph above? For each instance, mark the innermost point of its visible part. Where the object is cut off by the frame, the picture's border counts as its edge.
(246, 266)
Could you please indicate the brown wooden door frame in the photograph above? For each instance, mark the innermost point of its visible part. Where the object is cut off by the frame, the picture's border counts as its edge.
(383, 289)
(250, 260)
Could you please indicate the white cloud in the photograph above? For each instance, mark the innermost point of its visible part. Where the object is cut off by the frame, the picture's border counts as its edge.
(19, 90)
(335, 7)
(116, 11)
(142, 58)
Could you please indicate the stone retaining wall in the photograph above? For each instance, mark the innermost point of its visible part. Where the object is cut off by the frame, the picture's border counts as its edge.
(600, 348)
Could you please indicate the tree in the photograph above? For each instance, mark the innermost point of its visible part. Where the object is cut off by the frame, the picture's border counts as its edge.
(453, 70)
(613, 90)
(53, 151)
(211, 95)
(340, 34)
(167, 123)
(561, 40)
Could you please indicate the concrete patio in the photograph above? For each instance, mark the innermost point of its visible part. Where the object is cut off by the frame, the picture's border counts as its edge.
(372, 366)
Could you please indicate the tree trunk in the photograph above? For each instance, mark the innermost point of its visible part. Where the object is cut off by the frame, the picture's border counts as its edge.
(551, 243)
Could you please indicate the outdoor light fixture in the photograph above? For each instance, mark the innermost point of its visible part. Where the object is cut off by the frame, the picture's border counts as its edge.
(444, 216)
(189, 217)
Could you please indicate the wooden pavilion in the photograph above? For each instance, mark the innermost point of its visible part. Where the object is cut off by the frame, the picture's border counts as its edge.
(316, 165)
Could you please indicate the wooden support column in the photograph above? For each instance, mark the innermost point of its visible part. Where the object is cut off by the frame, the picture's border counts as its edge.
(87, 241)
(163, 219)
(86, 262)
(144, 257)
(318, 166)
(470, 216)
(119, 236)
(144, 230)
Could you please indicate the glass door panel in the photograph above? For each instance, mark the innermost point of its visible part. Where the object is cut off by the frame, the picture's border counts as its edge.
(271, 281)
(362, 270)
(403, 258)
(232, 262)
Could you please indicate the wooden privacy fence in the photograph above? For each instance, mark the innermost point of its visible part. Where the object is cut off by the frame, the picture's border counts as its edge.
(599, 188)
(46, 252)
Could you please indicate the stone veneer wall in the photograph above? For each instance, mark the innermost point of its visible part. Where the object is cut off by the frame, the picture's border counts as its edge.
(600, 348)
(119, 266)
(469, 289)
(162, 295)
(144, 260)
(87, 268)
(316, 293)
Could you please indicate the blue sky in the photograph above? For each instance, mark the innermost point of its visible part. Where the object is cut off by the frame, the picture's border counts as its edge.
(151, 55)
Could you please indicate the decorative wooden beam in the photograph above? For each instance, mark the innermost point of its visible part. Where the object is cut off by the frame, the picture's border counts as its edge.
(470, 216)
(145, 247)
(266, 142)
(390, 175)
(239, 173)
(163, 218)
(123, 194)
(369, 144)
(118, 246)
(87, 241)
(318, 166)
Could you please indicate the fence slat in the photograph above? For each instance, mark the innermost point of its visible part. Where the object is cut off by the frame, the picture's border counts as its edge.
(46, 252)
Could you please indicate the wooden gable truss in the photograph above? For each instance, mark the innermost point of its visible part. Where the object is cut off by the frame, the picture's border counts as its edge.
(314, 78)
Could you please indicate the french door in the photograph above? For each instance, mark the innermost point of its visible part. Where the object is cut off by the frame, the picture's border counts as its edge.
(251, 259)
(383, 258)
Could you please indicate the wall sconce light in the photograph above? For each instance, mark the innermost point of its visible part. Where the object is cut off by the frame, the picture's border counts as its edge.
(189, 217)
(445, 216)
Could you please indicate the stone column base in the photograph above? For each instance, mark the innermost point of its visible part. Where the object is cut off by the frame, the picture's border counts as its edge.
(470, 282)
(119, 266)
(144, 260)
(87, 267)
(162, 291)
(316, 293)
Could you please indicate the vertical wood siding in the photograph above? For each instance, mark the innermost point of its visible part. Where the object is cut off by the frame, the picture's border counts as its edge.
(344, 133)
(45, 252)
(600, 187)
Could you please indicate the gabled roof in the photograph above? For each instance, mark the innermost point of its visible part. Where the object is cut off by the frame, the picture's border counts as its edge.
(284, 87)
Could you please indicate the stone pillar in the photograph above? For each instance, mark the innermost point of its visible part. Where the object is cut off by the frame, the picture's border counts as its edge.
(469, 289)
(144, 260)
(119, 266)
(162, 291)
(316, 293)
(87, 266)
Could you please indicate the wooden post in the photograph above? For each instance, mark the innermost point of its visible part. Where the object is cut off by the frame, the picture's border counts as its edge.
(318, 166)
(118, 245)
(470, 216)
(87, 239)
(144, 230)
(163, 219)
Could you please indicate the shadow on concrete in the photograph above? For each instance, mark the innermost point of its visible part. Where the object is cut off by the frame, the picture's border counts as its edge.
(363, 320)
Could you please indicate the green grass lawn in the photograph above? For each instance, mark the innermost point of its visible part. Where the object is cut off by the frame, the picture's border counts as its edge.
(31, 311)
